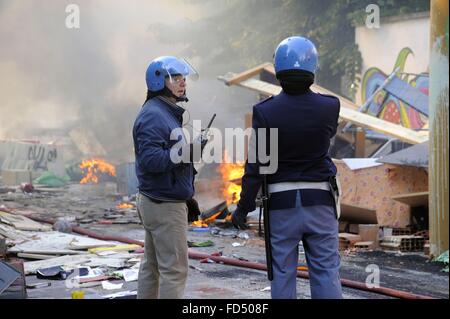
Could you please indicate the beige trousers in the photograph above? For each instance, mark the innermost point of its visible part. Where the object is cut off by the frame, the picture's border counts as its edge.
(164, 268)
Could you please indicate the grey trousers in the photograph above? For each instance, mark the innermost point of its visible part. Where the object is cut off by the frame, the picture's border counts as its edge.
(164, 268)
(317, 227)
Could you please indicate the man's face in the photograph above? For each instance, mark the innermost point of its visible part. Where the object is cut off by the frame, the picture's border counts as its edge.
(176, 84)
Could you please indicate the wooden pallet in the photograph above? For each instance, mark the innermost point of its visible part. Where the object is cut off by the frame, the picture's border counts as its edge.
(364, 245)
(347, 240)
(424, 233)
(401, 231)
(403, 243)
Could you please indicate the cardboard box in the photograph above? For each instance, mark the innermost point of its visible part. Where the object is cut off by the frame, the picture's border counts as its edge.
(374, 187)
(369, 233)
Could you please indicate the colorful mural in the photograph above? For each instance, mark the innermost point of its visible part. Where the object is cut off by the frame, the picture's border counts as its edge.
(392, 109)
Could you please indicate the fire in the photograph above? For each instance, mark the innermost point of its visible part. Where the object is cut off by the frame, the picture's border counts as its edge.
(199, 223)
(95, 166)
(124, 206)
(231, 176)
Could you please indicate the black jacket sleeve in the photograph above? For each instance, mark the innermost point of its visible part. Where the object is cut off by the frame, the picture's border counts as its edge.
(252, 179)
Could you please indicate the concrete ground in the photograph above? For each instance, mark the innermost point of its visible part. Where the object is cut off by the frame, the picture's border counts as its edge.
(406, 272)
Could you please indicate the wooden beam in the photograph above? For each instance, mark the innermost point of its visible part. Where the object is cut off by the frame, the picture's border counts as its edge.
(413, 199)
(360, 143)
(246, 74)
(348, 113)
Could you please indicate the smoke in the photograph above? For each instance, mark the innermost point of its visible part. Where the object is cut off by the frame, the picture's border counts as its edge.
(56, 78)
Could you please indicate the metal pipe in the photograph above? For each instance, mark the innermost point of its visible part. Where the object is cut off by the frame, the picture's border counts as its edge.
(242, 263)
(304, 274)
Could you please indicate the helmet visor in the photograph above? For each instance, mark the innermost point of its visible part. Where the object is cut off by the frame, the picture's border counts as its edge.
(180, 67)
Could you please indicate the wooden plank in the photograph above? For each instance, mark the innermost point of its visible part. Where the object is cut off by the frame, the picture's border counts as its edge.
(35, 256)
(87, 243)
(358, 214)
(246, 74)
(69, 261)
(413, 199)
(350, 237)
(13, 234)
(347, 113)
(360, 143)
(22, 223)
(57, 243)
(126, 247)
(384, 127)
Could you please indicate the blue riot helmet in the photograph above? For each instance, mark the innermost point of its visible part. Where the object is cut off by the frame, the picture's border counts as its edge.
(296, 53)
(167, 66)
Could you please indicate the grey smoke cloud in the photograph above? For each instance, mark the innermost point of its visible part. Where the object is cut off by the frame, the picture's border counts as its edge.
(58, 78)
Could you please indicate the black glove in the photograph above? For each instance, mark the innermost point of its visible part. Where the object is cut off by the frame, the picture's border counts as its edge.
(239, 219)
(193, 210)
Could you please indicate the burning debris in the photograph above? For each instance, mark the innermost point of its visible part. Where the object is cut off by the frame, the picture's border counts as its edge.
(124, 206)
(231, 177)
(95, 167)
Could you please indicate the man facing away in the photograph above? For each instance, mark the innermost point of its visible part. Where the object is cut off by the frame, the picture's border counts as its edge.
(302, 202)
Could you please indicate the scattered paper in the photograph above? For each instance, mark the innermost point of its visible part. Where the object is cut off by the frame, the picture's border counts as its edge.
(121, 294)
(110, 286)
(243, 235)
(106, 253)
(130, 274)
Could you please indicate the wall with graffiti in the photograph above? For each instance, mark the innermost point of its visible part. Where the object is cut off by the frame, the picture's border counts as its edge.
(401, 44)
(34, 157)
(389, 107)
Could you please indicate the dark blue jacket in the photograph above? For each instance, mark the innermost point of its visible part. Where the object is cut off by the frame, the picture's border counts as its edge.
(159, 178)
(305, 124)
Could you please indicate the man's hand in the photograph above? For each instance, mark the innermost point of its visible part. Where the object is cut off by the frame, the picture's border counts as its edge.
(193, 210)
(239, 219)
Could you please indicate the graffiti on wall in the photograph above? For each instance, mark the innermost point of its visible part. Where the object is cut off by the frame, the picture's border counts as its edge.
(391, 108)
(41, 155)
(34, 157)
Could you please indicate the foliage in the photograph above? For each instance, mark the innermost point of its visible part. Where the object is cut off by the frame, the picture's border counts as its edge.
(241, 34)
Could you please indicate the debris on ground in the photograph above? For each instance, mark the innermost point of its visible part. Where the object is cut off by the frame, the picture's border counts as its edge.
(443, 258)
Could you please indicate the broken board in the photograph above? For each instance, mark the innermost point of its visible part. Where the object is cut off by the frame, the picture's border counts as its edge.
(22, 223)
(57, 243)
(347, 111)
(64, 261)
(13, 234)
(413, 199)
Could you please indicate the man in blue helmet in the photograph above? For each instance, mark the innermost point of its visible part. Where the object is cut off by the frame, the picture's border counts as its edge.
(302, 192)
(166, 186)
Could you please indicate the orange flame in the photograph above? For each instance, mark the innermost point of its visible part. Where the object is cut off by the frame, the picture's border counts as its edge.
(230, 173)
(199, 223)
(124, 206)
(95, 166)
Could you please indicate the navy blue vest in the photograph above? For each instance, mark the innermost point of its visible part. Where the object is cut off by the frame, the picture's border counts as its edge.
(305, 124)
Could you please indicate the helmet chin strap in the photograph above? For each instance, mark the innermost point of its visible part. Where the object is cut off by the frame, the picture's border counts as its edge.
(182, 98)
